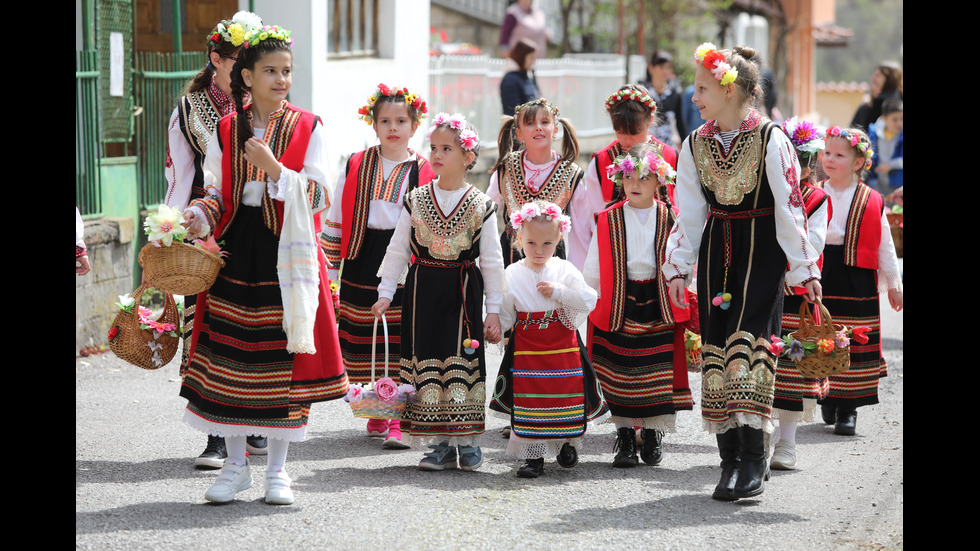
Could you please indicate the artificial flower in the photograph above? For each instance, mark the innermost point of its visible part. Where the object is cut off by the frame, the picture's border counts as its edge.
(165, 225)
(564, 224)
(210, 245)
(387, 390)
(126, 303)
(842, 340)
(796, 350)
(354, 393)
(113, 331)
(825, 345)
(468, 139)
(701, 51)
(860, 334)
(776, 346)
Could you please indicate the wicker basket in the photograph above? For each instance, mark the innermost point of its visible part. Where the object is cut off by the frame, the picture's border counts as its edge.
(135, 345)
(180, 269)
(368, 405)
(896, 223)
(817, 365)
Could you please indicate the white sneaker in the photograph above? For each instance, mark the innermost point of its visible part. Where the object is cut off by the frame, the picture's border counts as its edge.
(784, 456)
(277, 490)
(231, 480)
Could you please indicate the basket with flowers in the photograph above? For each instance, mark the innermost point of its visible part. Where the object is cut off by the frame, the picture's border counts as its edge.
(819, 348)
(173, 266)
(382, 398)
(140, 338)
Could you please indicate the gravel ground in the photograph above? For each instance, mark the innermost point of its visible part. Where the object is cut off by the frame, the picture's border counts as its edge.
(135, 487)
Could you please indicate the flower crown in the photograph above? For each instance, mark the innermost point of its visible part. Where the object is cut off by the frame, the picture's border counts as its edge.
(550, 212)
(650, 163)
(235, 30)
(416, 101)
(539, 101)
(266, 32)
(468, 139)
(634, 95)
(707, 54)
(807, 138)
(856, 140)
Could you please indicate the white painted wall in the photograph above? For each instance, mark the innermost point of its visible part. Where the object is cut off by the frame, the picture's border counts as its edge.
(335, 89)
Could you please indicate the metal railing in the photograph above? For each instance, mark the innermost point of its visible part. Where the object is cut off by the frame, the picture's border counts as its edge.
(577, 84)
(88, 149)
(160, 77)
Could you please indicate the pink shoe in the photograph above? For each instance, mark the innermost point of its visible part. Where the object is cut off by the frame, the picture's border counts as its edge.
(394, 440)
(377, 427)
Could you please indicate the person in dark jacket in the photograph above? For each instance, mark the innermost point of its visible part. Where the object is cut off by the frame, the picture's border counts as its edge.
(519, 85)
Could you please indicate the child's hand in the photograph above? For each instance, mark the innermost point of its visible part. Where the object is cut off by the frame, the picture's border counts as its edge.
(491, 328)
(675, 290)
(546, 288)
(897, 299)
(258, 153)
(814, 290)
(193, 224)
(82, 266)
(380, 307)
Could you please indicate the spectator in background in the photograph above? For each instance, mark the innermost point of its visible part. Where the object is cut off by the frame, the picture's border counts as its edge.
(519, 85)
(662, 84)
(692, 117)
(82, 265)
(887, 174)
(523, 20)
(886, 83)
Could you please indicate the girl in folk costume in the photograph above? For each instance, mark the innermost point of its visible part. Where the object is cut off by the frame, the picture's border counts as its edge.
(266, 345)
(631, 110)
(632, 330)
(368, 202)
(795, 396)
(535, 172)
(206, 99)
(546, 387)
(859, 263)
(442, 357)
(741, 219)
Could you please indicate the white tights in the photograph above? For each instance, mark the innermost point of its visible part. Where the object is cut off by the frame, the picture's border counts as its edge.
(278, 449)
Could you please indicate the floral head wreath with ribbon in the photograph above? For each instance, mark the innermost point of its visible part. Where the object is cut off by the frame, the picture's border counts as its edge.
(416, 101)
(235, 30)
(548, 212)
(857, 141)
(707, 54)
(265, 33)
(539, 101)
(806, 137)
(651, 163)
(468, 139)
(631, 95)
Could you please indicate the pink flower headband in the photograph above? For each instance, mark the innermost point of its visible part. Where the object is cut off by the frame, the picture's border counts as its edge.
(550, 212)
(633, 95)
(651, 163)
(416, 101)
(468, 139)
(856, 140)
(707, 54)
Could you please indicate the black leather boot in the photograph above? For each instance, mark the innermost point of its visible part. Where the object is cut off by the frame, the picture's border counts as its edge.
(753, 468)
(652, 451)
(846, 422)
(626, 444)
(728, 450)
(829, 414)
(532, 468)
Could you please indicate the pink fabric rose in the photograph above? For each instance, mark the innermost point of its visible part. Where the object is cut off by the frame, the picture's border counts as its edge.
(386, 389)
(354, 393)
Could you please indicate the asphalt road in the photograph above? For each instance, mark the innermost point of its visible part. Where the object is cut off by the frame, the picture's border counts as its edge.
(135, 487)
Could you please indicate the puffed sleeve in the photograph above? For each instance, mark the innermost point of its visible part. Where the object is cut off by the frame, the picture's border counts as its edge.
(508, 309)
(782, 169)
(397, 255)
(684, 241)
(180, 165)
(586, 202)
(492, 263)
(817, 226)
(210, 207)
(313, 175)
(577, 299)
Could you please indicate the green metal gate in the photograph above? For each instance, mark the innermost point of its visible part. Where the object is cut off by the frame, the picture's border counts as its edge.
(160, 78)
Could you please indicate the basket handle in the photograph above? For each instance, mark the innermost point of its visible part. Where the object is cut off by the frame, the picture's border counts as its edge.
(374, 344)
(820, 316)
